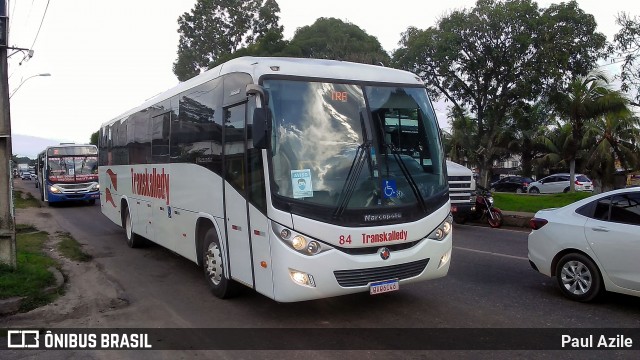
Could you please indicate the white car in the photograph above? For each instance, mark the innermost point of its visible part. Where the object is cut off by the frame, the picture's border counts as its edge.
(591, 245)
(559, 183)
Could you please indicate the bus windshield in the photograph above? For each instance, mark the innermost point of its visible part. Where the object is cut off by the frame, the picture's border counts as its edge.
(354, 146)
(73, 168)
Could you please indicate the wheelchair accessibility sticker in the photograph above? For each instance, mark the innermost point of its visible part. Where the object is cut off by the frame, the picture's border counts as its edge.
(389, 189)
(301, 183)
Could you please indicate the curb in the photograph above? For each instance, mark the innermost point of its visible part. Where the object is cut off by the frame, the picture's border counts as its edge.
(12, 305)
(509, 219)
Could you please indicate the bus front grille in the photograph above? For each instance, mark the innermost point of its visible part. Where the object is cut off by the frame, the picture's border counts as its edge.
(361, 277)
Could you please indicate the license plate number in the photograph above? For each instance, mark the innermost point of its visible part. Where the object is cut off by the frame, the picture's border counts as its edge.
(383, 287)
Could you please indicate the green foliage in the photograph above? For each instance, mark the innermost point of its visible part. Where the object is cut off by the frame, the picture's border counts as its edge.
(497, 55)
(23, 201)
(627, 48)
(217, 28)
(94, 138)
(585, 99)
(31, 275)
(533, 203)
(612, 138)
(71, 248)
(528, 125)
(330, 38)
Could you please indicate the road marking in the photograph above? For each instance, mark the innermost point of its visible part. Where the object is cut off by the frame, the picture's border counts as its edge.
(492, 253)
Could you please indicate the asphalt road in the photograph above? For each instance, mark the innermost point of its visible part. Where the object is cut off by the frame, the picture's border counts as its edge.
(490, 285)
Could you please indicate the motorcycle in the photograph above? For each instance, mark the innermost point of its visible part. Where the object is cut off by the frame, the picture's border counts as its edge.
(484, 209)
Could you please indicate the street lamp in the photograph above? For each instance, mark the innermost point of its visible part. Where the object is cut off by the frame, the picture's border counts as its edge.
(25, 80)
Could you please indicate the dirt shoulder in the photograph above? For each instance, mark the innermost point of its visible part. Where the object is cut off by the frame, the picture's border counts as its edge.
(89, 293)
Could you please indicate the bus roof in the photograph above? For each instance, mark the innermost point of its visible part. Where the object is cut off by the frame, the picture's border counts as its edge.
(302, 67)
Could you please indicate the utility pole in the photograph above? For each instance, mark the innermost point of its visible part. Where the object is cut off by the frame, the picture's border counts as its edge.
(7, 224)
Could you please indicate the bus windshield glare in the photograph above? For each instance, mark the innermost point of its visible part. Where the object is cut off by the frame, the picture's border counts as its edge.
(354, 146)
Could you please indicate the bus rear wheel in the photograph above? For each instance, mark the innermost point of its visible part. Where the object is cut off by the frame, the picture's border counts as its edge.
(213, 266)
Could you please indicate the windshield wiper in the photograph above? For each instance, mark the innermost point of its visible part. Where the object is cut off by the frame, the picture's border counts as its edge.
(407, 175)
(352, 177)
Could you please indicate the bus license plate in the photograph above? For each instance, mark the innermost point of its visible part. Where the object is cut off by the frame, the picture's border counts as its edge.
(383, 287)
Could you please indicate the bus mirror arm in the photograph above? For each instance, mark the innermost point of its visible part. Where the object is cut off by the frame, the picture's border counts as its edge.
(253, 89)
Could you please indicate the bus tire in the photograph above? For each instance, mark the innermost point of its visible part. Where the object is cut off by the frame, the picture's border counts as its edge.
(133, 240)
(92, 202)
(213, 266)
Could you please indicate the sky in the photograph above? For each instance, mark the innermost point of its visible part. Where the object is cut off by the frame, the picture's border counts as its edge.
(106, 57)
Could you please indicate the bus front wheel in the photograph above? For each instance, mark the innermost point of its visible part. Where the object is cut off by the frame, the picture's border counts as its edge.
(133, 240)
(213, 266)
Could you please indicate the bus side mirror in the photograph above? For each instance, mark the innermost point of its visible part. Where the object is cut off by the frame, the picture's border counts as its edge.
(260, 128)
(261, 117)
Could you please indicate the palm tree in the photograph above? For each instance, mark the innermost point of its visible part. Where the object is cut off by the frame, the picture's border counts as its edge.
(530, 123)
(586, 99)
(556, 142)
(614, 138)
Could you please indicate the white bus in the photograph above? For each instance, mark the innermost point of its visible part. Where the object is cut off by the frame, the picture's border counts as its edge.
(68, 172)
(299, 178)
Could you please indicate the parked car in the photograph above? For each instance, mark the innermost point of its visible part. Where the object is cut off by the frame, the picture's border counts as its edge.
(518, 184)
(559, 183)
(591, 245)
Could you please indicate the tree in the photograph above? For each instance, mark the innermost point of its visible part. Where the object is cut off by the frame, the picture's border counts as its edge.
(461, 142)
(499, 54)
(94, 138)
(528, 125)
(627, 48)
(555, 141)
(216, 28)
(615, 139)
(330, 38)
(585, 99)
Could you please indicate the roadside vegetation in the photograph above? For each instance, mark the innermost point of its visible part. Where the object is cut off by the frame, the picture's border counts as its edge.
(24, 200)
(31, 275)
(533, 203)
(71, 248)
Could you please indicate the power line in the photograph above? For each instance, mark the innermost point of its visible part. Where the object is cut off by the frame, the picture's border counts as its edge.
(41, 22)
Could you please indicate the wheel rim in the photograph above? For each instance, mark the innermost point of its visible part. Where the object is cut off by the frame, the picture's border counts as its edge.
(496, 220)
(213, 262)
(576, 277)
(519, 191)
(128, 227)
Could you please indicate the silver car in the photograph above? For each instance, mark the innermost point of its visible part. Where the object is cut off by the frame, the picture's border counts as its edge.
(591, 245)
(559, 183)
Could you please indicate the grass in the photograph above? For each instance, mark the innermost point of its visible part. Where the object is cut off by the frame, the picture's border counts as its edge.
(23, 201)
(31, 275)
(70, 248)
(533, 203)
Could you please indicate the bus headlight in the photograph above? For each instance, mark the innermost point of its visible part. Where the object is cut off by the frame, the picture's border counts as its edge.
(95, 187)
(442, 230)
(298, 242)
(302, 278)
(54, 190)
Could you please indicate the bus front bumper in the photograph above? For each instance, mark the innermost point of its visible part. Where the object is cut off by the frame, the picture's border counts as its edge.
(62, 197)
(335, 273)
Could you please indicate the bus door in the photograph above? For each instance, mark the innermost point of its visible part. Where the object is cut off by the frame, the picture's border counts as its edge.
(235, 202)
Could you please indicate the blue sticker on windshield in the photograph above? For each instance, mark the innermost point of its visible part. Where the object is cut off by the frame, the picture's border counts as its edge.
(389, 189)
(301, 183)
